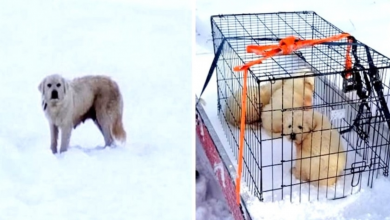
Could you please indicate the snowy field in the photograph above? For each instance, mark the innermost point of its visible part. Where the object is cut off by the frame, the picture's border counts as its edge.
(368, 22)
(146, 47)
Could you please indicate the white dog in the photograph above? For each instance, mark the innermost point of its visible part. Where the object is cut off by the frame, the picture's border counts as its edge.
(295, 92)
(67, 104)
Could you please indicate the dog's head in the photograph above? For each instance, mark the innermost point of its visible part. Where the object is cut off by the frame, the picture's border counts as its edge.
(305, 81)
(53, 88)
(297, 125)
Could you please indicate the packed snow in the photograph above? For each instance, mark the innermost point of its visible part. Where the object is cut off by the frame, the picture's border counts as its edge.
(368, 22)
(146, 47)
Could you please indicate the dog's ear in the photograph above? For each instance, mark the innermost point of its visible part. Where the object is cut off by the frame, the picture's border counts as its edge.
(41, 86)
(66, 85)
(309, 120)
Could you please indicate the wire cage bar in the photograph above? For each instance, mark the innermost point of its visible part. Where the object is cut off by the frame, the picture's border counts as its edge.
(357, 109)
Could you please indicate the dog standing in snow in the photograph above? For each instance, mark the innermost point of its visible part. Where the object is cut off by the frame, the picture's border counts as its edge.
(68, 103)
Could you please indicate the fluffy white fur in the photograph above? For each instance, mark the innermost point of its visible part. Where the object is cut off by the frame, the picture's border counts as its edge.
(296, 92)
(256, 99)
(68, 103)
(318, 143)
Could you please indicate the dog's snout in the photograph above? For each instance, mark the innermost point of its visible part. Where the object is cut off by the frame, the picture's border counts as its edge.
(293, 136)
(54, 94)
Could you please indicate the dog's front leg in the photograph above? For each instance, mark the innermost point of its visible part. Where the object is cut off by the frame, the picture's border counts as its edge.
(54, 138)
(66, 131)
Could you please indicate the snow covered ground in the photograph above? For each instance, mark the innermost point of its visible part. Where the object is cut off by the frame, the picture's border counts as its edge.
(146, 47)
(368, 21)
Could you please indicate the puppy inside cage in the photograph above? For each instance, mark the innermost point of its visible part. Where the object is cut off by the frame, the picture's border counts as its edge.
(299, 152)
(320, 155)
(313, 141)
(317, 120)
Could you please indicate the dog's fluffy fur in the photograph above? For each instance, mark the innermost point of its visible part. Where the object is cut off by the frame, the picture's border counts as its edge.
(255, 101)
(297, 92)
(68, 103)
(313, 136)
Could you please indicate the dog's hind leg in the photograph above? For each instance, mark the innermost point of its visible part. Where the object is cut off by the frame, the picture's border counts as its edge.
(106, 130)
(99, 126)
(106, 135)
(108, 108)
(105, 127)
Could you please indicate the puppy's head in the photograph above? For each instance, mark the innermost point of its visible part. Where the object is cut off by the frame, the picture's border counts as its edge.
(53, 88)
(307, 81)
(297, 125)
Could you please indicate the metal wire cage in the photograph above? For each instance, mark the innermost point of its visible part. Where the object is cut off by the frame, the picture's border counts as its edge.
(357, 109)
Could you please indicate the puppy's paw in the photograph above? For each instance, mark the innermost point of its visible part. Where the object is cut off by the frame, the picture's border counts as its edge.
(276, 135)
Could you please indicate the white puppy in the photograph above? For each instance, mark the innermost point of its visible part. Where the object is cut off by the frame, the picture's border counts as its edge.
(320, 152)
(67, 104)
(295, 92)
(257, 97)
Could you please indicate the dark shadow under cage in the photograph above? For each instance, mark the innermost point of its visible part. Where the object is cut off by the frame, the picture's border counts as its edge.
(357, 109)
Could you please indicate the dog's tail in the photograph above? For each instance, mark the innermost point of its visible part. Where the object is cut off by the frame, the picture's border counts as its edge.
(118, 131)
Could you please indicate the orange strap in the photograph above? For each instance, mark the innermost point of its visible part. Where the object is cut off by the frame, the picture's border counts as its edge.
(242, 127)
(348, 60)
(285, 47)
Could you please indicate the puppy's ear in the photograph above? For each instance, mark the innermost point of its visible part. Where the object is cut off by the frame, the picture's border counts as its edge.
(309, 120)
(309, 83)
(41, 87)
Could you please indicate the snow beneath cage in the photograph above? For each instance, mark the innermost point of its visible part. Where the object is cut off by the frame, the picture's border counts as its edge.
(366, 21)
(134, 42)
(367, 204)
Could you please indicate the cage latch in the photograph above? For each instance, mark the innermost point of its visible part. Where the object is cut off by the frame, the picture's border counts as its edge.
(357, 168)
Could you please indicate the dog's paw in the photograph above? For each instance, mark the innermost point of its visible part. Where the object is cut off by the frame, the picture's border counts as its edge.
(53, 150)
